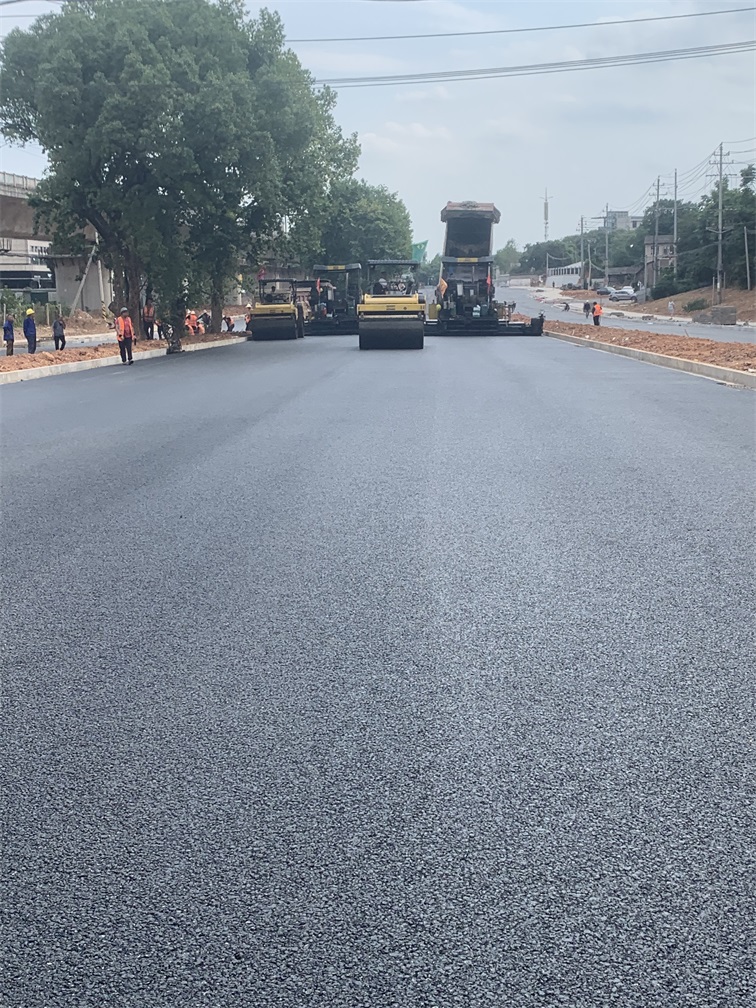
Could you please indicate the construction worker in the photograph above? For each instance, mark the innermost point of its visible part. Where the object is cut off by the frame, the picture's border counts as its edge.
(598, 311)
(8, 334)
(59, 332)
(125, 333)
(148, 319)
(30, 330)
(248, 319)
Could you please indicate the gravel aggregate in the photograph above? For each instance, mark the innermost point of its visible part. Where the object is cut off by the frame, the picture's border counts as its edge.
(379, 680)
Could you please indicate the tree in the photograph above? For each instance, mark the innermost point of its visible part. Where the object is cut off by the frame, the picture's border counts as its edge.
(429, 272)
(507, 258)
(175, 128)
(364, 222)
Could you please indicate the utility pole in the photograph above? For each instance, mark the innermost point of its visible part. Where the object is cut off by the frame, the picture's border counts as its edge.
(748, 264)
(546, 215)
(582, 265)
(655, 270)
(674, 230)
(719, 231)
(606, 246)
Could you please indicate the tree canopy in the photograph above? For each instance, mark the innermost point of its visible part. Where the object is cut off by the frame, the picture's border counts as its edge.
(180, 130)
(364, 222)
(696, 244)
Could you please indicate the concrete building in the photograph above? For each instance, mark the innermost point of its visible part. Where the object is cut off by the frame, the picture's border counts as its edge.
(22, 250)
(26, 265)
(659, 254)
(621, 220)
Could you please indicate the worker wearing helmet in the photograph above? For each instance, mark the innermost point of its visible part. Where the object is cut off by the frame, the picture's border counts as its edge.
(125, 335)
(30, 330)
(248, 319)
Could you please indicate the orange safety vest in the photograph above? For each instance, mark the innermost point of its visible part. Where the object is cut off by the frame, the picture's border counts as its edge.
(598, 310)
(124, 328)
(148, 313)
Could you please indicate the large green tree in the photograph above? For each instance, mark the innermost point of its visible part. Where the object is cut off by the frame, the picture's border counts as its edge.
(362, 222)
(178, 129)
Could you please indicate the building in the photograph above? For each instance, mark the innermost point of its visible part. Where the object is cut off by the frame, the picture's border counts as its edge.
(558, 276)
(22, 250)
(621, 220)
(659, 254)
(27, 265)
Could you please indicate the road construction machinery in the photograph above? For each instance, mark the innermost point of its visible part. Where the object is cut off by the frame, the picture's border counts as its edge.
(466, 302)
(391, 311)
(335, 297)
(277, 314)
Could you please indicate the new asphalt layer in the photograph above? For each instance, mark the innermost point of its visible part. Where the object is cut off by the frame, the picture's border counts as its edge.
(378, 680)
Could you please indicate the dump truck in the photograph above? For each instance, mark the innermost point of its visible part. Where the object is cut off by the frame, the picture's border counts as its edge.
(391, 311)
(277, 313)
(466, 302)
(336, 293)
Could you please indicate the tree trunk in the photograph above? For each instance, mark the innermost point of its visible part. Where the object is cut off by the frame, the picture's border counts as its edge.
(133, 302)
(216, 304)
(177, 321)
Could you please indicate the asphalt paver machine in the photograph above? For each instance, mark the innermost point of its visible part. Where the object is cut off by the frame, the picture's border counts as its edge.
(391, 311)
(336, 293)
(277, 314)
(466, 303)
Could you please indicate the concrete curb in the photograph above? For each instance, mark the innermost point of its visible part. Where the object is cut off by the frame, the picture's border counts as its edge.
(9, 377)
(721, 374)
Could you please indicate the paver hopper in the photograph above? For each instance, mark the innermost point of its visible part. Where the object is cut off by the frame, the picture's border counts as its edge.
(391, 311)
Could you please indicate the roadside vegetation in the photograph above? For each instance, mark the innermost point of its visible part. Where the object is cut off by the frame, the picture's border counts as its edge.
(191, 142)
(696, 246)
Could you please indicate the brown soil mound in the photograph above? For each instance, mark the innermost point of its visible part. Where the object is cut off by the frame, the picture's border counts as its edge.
(740, 356)
(744, 301)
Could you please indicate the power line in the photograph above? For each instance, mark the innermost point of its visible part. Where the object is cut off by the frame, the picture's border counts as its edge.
(528, 70)
(515, 31)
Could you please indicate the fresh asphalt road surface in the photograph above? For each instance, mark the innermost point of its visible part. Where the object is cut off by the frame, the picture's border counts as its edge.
(528, 304)
(379, 680)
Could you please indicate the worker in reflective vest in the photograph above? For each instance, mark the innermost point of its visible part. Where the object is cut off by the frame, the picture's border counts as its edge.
(598, 311)
(148, 319)
(125, 334)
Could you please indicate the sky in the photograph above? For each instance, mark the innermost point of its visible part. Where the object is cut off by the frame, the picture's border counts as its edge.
(588, 137)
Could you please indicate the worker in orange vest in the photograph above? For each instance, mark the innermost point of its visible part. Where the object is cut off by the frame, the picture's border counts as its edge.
(148, 319)
(125, 334)
(598, 311)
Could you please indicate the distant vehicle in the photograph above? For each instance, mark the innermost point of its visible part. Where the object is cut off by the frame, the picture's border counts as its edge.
(622, 295)
(605, 290)
(570, 286)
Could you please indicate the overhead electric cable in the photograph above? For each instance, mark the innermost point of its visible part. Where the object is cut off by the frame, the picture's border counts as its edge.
(528, 70)
(517, 31)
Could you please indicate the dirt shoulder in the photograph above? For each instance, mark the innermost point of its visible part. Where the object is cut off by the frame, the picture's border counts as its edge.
(740, 356)
(744, 301)
(44, 358)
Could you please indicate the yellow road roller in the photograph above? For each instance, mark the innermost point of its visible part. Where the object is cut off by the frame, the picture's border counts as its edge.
(277, 315)
(391, 310)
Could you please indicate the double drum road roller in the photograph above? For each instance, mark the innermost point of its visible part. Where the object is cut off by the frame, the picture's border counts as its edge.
(392, 312)
(277, 315)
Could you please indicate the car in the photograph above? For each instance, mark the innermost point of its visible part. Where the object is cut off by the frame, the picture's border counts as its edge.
(605, 290)
(622, 295)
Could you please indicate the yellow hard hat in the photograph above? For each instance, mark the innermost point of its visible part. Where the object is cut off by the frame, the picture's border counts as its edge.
(29, 311)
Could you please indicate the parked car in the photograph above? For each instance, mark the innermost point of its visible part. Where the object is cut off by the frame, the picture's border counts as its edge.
(570, 286)
(605, 290)
(622, 295)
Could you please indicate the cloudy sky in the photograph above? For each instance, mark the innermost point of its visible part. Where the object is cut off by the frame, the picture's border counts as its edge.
(589, 137)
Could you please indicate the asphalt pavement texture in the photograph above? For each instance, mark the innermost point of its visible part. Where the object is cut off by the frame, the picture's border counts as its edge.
(379, 680)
